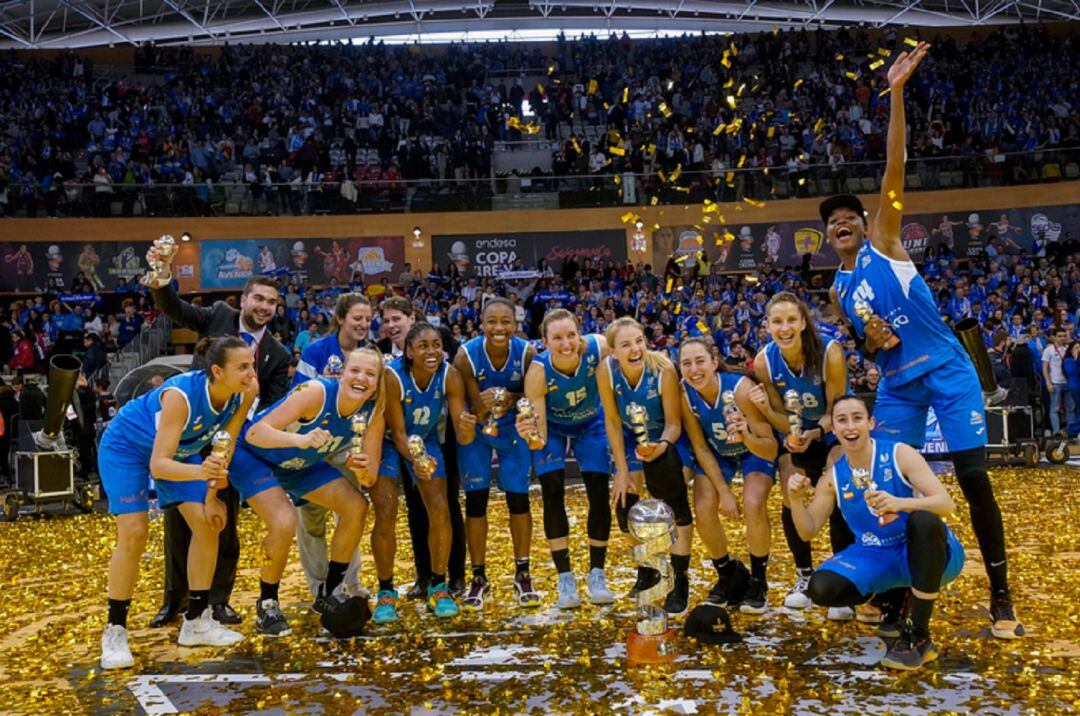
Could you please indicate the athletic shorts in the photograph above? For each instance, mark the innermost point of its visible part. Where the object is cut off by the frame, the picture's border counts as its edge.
(812, 461)
(125, 477)
(874, 570)
(299, 484)
(391, 463)
(952, 390)
(588, 441)
(250, 474)
(475, 461)
(730, 466)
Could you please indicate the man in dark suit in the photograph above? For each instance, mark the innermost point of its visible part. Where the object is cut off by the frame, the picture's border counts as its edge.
(258, 302)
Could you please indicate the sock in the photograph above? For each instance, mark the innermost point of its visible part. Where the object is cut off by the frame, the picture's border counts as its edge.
(479, 571)
(438, 579)
(198, 601)
(597, 556)
(521, 567)
(335, 573)
(919, 611)
(268, 591)
(681, 564)
(561, 558)
(118, 611)
(758, 565)
(386, 585)
(999, 576)
(723, 565)
(800, 548)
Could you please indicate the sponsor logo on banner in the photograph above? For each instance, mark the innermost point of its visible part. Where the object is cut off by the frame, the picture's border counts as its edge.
(235, 265)
(1041, 223)
(915, 239)
(808, 241)
(689, 242)
(372, 260)
(492, 255)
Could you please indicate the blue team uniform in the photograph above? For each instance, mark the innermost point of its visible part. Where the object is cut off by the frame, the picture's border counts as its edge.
(649, 394)
(878, 561)
(422, 409)
(733, 457)
(475, 459)
(574, 414)
(299, 471)
(316, 355)
(811, 388)
(928, 368)
(128, 442)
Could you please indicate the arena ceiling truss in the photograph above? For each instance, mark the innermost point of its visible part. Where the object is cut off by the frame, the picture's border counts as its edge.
(52, 24)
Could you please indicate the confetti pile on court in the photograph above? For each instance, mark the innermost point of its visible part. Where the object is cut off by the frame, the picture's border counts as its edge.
(53, 607)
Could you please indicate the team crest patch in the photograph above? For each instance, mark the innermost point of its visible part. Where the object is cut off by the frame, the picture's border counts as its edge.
(869, 539)
(887, 475)
(865, 260)
(976, 417)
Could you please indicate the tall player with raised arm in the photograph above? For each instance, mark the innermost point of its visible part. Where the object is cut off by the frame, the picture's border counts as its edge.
(922, 364)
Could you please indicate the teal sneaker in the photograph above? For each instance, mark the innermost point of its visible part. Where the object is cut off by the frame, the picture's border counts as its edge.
(440, 603)
(385, 607)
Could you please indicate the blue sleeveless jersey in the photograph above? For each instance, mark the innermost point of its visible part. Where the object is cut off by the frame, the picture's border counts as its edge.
(711, 416)
(852, 503)
(811, 387)
(899, 295)
(511, 375)
(573, 399)
(136, 425)
(646, 393)
(422, 408)
(329, 419)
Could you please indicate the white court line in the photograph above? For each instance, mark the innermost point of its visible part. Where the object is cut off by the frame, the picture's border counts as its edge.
(147, 691)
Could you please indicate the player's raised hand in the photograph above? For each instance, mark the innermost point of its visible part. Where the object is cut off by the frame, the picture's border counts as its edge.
(905, 65)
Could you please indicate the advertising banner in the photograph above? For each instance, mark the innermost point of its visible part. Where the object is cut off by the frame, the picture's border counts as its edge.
(229, 263)
(37, 266)
(784, 243)
(492, 255)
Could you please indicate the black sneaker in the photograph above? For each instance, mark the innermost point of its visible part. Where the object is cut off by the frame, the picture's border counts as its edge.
(646, 577)
(893, 608)
(754, 602)
(418, 590)
(718, 595)
(225, 614)
(678, 599)
(1003, 621)
(269, 619)
(909, 651)
(457, 587)
(325, 603)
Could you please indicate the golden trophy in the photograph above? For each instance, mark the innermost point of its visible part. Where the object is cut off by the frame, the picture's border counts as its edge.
(639, 422)
(793, 406)
(219, 448)
(359, 425)
(498, 408)
(866, 314)
(525, 407)
(730, 411)
(161, 271)
(863, 480)
(333, 367)
(418, 453)
(652, 523)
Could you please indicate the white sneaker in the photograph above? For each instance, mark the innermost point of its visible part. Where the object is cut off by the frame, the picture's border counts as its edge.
(568, 594)
(204, 631)
(597, 586)
(840, 614)
(115, 653)
(797, 597)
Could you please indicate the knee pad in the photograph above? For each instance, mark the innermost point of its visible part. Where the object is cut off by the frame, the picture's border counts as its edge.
(517, 503)
(476, 502)
(599, 521)
(552, 486)
(665, 482)
(829, 589)
(926, 525)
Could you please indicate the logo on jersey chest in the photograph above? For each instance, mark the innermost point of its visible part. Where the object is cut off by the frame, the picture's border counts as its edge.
(863, 292)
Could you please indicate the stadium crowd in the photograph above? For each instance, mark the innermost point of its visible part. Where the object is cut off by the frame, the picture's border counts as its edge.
(286, 120)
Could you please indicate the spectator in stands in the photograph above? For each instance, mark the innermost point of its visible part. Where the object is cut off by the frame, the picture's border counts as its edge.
(94, 358)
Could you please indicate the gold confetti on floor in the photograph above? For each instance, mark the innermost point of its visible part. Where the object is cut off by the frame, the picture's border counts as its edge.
(52, 609)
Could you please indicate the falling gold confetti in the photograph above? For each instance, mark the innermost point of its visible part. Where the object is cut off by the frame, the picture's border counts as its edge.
(883, 52)
(731, 101)
(664, 109)
(876, 64)
(910, 42)
(851, 75)
(617, 151)
(752, 202)
(797, 83)
(593, 86)
(898, 206)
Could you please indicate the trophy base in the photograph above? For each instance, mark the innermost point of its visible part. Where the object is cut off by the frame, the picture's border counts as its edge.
(650, 649)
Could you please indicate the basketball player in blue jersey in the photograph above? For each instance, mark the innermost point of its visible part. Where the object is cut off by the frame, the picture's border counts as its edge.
(797, 360)
(635, 376)
(420, 385)
(159, 435)
(922, 363)
(893, 503)
(561, 385)
(726, 442)
(286, 449)
(490, 365)
(351, 323)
